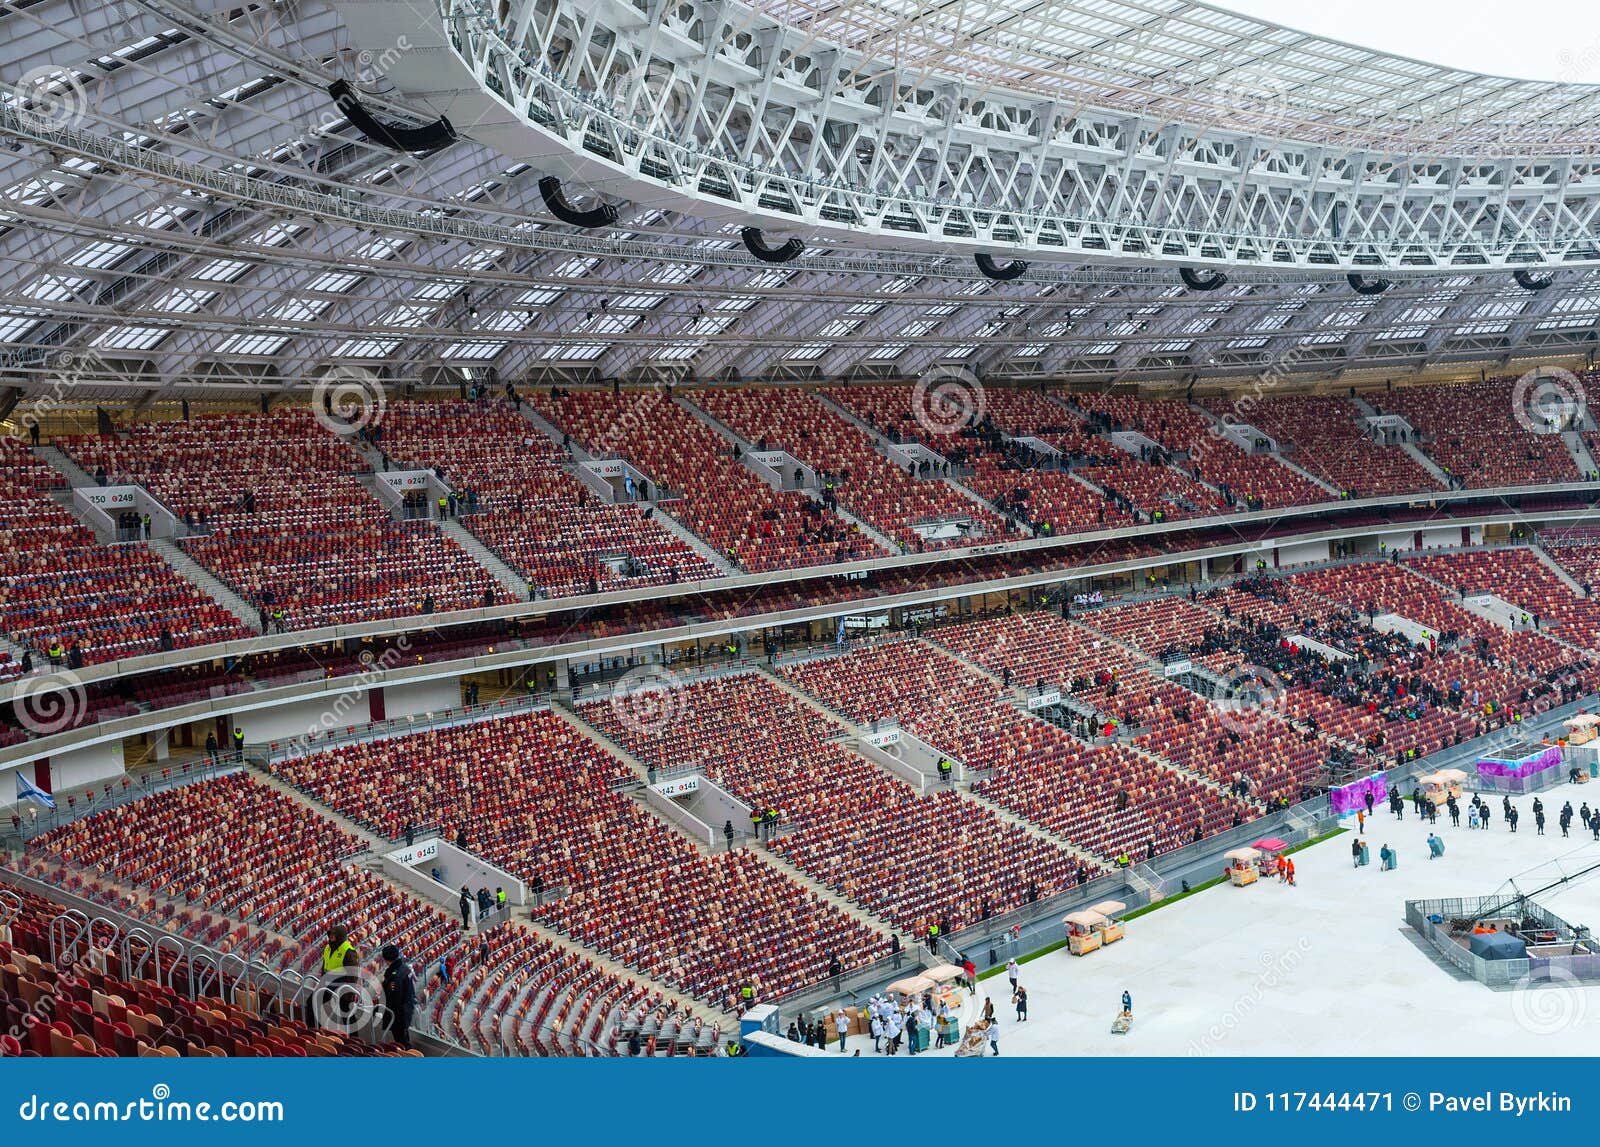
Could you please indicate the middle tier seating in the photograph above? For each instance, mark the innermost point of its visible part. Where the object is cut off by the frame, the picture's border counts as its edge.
(869, 836)
(533, 795)
(1108, 799)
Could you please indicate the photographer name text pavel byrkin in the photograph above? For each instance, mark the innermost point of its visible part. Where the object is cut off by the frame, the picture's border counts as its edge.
(1503, 1102)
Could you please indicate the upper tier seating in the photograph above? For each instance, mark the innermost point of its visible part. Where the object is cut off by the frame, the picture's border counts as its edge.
(866, 484)
(1258, 478)
(59, 584)
(539, 519)
(1330, 441)
(539, 803)
(286, 522)
(719, 498)
(1473, 432)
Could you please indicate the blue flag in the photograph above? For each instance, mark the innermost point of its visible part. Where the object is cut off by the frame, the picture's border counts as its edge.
(28, 791)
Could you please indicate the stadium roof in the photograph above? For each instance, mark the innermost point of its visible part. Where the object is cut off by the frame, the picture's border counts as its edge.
(127, 126)
(1190, 63)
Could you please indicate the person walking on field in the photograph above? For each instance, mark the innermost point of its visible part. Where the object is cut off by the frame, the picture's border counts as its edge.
(1012, 970)
(1020, 998)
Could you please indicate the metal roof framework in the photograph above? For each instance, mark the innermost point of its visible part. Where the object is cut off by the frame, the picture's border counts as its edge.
(183, 207)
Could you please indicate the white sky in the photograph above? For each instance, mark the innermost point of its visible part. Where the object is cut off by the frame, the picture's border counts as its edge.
(1530, 39)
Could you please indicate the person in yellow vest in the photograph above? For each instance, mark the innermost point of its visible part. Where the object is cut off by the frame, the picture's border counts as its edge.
(333, 1005)
(338, 953)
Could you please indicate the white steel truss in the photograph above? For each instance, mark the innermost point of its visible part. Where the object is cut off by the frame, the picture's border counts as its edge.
(1092, 131)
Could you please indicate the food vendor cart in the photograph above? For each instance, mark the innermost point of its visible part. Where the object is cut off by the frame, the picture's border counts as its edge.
(1439, 787)
(1085, 931)
(1242, 868)
(1581, 729)
(1112, 930)
(1271, 850)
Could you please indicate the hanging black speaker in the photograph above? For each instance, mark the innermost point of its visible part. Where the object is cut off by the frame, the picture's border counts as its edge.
(784, 252)
(1363, 286)
(1202, 280)
(556, 200)
(429, 137)
(1527, 282)
(992, 270)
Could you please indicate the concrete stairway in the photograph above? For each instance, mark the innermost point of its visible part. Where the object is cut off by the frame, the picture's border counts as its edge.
(963, 790)
(58, 461)
(854, 911)
(1281, 459)
(1427, 463)
(1557, 569)
(192, 572)
(693, 540)
(1580, 452)
(551, 431)
(746, 445)
(512, 582)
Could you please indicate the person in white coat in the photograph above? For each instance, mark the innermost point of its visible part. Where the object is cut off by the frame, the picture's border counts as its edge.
(1012, 972)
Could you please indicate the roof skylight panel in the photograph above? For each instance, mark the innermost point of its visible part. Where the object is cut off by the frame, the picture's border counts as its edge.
(334, 282)
(251, 344)
(476, 350)
(55, 288)
(183, 301)
(222, 271)
(131, 338)
(367, 348)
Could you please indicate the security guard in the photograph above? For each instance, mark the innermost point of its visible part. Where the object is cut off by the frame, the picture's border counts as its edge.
(399, 995)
